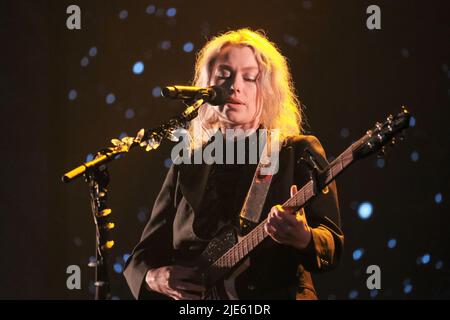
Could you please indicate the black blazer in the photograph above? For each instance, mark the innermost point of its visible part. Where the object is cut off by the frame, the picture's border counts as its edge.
(277, 271)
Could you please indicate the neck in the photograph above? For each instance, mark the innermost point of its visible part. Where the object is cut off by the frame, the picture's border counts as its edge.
(232, 131)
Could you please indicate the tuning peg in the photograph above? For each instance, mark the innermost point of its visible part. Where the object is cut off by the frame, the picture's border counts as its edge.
(378, 125)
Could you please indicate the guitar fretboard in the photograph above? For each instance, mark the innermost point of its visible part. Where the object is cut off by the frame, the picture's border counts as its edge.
(250, 241)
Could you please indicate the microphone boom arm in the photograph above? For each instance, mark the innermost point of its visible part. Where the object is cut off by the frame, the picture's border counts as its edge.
(150, 138)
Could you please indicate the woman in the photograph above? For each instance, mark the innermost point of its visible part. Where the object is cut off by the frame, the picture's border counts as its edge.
(196, 201)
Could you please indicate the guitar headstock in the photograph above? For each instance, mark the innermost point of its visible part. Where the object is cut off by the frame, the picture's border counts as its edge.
(382, 134)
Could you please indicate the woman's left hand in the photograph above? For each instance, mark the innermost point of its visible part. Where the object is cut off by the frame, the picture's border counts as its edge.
(288, 227)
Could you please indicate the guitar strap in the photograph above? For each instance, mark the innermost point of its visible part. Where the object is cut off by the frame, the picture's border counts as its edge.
(254, 201)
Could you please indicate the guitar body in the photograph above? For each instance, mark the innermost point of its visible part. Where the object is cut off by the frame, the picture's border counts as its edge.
(220, 282)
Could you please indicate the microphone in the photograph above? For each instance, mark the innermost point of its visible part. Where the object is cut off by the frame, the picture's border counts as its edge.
(214, 95)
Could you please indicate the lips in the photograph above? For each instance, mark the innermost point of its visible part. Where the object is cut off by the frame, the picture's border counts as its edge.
(234, 101)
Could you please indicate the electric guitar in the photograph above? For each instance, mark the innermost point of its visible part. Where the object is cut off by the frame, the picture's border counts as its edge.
(226, 255)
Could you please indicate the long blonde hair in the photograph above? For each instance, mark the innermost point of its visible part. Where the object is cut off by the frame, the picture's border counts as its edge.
(280, 106)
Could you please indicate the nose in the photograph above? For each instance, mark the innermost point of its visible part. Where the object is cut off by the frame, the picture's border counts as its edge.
(236, 85)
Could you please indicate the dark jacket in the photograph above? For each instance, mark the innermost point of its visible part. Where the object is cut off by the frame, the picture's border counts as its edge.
(277, 271)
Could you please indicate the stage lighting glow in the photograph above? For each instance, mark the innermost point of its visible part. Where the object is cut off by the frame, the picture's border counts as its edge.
(89, 157)
(138, 67)
(439, 265)
(353, 294)
(392, 243)
(345, 132)
(156, 92)
(93, 51)
(425, 258)
(188, 47)
(151, 9)
(125, 257)
(412, 121)
(92, 259)
(381, 163)
(123, 135)
(123, 14)
(365, 210)
(84, 62)
(129, 114)
(438, 198)
(110, 98)
(118, 267)
(171, 12)
(414, 156)
(72, 94)
(357, 254)
(165, 45)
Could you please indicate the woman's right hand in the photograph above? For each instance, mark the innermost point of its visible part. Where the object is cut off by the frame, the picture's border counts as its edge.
(175, 282)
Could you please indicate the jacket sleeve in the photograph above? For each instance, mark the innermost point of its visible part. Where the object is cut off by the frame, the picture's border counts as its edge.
(155, 247)
(322, 213)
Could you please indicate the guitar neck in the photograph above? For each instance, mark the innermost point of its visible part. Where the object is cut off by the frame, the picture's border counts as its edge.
(250, 241)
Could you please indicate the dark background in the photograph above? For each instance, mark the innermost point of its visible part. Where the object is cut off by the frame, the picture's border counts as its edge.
(347, 76)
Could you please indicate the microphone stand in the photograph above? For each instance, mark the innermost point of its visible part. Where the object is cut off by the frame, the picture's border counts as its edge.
(96, 175)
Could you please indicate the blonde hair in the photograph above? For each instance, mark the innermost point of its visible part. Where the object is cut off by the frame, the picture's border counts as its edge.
(280, 106)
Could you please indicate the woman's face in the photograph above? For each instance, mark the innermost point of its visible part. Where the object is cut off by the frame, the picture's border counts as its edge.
(236, 69)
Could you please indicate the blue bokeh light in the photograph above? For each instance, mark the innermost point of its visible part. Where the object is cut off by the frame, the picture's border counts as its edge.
(89, 157)
(165, 45)
(138, 67)
(125, 257)
(357, 254)
(392, 243)
(151, 9)
(156, 92)
(414, 156)
(167, 163)
(188, 47)
(123, 14)
(438, 198)
(72, 94)
(407, 288)
(110, 98)
(118, 267)
(381, 163)
(353, 294)
(373, 293)
(425, 259)
(365, 210)
(412, 121)
(171, 12)
(93, 51)
(345, 132)
(84, 61)
(129, 113)
(439, 264)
